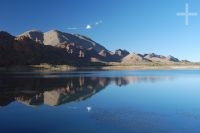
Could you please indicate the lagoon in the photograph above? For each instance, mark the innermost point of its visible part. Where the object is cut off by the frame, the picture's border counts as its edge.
(142, 101)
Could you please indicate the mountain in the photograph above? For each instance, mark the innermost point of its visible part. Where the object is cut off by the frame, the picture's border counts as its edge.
(152, 57)
(22, 50)
(71, 42)
(54, 47)
(63, 40)
(58, 38)
(160, 58)
(134, 58)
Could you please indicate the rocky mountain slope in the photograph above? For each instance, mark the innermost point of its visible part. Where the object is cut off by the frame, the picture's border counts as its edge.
(22, 50)
(58, 38)
(55, 47)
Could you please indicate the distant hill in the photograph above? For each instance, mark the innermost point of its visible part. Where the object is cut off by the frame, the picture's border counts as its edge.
(55, 47)
(152, 57)
(134, 58)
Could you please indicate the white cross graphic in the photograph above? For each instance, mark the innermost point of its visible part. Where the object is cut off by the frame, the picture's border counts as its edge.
(186, 14)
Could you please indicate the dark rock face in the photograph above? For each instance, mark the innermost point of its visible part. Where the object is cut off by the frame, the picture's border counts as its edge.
(153, 55)
(6, 38)
(171, 58)
(185, 61)
(121, 53)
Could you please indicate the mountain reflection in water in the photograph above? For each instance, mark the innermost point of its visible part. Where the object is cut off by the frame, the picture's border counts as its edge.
(35, 90)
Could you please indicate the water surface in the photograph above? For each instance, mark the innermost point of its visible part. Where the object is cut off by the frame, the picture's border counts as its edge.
(162, 101)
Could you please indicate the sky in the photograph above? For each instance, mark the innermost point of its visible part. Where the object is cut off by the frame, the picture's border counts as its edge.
(140, 26)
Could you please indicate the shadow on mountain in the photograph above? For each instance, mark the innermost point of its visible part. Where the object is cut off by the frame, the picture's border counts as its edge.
(54, 90)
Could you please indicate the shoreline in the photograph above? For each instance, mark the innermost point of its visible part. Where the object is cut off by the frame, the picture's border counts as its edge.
(155, 67)
(64, 68)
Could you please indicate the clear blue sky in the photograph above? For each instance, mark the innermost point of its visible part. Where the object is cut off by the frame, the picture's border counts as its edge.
(142, 26)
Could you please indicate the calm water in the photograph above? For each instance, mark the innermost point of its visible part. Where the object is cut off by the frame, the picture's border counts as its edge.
(100, 102)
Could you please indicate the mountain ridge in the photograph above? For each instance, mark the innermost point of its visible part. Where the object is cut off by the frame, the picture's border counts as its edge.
(57, 47)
